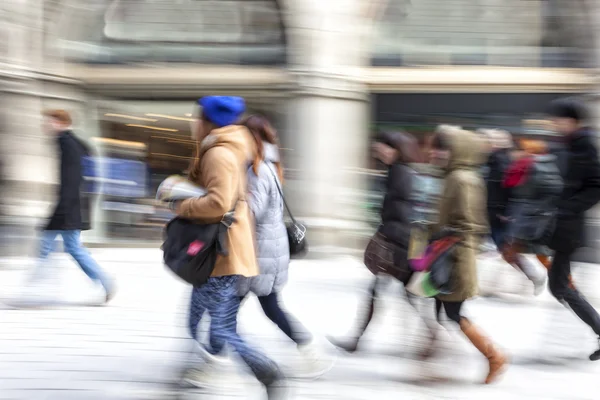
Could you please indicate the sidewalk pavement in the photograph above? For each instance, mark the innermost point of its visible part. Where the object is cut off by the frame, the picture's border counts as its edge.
(132, 348)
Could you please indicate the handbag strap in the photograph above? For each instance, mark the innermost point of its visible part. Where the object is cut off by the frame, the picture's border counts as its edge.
(281, 193)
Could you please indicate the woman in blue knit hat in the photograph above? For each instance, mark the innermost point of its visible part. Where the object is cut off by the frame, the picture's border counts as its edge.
(223, 152)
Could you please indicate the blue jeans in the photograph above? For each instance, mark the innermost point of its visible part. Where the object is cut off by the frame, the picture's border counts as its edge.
(73, 246)
(218, 296)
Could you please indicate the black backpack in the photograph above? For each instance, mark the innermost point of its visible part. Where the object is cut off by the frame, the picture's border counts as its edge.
(190, 249)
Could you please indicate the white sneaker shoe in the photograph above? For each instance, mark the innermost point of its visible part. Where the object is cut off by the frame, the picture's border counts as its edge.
(213, 373)
(314, 363)
(539, 284)
(218, 373)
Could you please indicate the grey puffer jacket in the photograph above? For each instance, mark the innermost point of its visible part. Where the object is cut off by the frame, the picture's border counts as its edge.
(533, 205)
(273, 251)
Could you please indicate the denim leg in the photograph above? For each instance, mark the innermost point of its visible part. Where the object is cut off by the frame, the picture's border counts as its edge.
(73, 246)
(47, 245)
(219, 297)
(197, 309)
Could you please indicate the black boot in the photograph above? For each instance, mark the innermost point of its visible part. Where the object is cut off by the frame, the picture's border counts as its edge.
(275, 385)
(350, 344)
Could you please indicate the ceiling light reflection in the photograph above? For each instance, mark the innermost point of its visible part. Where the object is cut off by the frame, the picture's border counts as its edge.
(169, 117)
(156, 128)
(130, 117)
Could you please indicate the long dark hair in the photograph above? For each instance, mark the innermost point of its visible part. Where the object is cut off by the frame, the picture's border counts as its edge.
(262, 131)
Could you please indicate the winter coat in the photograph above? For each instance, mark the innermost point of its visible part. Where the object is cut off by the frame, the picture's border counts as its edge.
(463, 208)
(396, 216)
(221, 168)
(397, 210)
(272, 245)
(73, 210)
(497, 194)
(581, 176)
(532, 205)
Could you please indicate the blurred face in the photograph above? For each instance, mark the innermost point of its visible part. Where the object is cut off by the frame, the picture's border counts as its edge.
(384, 153)
(52, 126)
(199, 127)
(565, 126)
(439, 157)
(490, 145)
(518, 154)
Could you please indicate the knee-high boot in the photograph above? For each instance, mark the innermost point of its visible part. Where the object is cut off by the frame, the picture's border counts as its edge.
(497, 360)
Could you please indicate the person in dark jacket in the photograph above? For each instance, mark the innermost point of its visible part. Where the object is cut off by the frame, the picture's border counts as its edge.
(535, 185)
(387, 252)
(72, 212)
(497, 195)
(581, 176)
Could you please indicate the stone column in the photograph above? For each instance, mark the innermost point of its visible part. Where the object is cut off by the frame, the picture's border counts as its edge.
(327, 118)
(29, 162)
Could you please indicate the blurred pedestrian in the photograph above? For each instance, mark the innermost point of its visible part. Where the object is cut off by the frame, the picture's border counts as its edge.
(223, 152)
(581, 175)
(387, 252)
(463, 209)
(265, 176)
(535, 184)
(72, 212)
(497, 195)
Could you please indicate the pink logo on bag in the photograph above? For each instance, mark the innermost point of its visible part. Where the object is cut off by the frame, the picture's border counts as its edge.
(195, 247)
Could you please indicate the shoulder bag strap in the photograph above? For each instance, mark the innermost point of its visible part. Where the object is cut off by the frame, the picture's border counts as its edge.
(229, 218)
(281, 193)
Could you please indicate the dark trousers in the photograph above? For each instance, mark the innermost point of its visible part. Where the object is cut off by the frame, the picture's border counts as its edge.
(561, 288)
(452, 309)
(273, 311)
(378, 283)
(498, 230)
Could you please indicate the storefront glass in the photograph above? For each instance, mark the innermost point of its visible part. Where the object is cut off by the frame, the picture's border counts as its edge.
(512, 33)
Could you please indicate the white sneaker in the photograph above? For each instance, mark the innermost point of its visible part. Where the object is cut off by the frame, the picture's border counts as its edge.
(539, 284)
(315, 362)
(213, 373)
(218, 373)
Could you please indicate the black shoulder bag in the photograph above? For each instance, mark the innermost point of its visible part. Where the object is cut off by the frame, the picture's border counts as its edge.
(190, 249)
(296, 231)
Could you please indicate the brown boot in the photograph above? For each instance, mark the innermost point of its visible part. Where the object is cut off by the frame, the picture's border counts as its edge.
(497, 360)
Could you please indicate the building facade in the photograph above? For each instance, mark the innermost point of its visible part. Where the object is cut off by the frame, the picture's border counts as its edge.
(329, 74)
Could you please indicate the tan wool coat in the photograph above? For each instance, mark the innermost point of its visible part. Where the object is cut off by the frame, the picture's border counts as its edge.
(221, 168)
(463, 207)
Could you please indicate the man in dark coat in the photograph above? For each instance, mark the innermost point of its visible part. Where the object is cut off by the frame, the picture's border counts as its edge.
(72, 212)
(581, 176)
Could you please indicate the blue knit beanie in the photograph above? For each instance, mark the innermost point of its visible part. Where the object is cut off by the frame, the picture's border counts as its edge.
(222, 110)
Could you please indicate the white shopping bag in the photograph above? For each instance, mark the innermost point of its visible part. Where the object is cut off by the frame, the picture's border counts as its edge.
(177, 187)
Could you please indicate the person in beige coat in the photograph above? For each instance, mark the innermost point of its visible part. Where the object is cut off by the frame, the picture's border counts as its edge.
(223, 152)
(463, 208)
